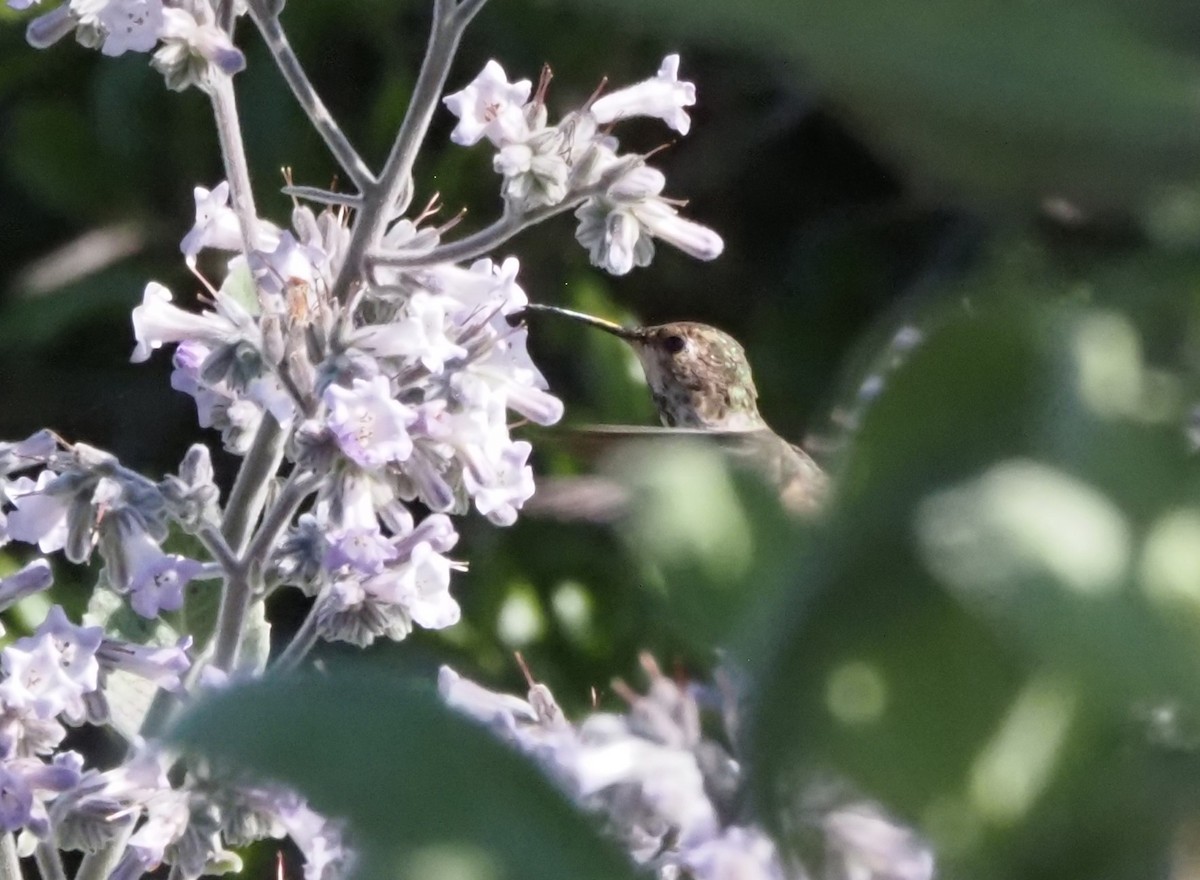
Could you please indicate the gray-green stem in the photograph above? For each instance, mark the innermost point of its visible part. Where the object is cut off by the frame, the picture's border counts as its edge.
(49, 862)
(233, 155)
(100, 864)
(490, 237)
(389, 196)
(318, 114)
(245, 581)
(252, 484)
(482, 242)
(10, 862)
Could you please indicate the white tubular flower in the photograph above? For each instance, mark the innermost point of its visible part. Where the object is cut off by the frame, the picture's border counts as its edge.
(40, 517)
(508, 485)
(33, 578)
(370, 427)
(46, 30)
(156, 322)
(216, 224)
(613, 237)
(662, 97)
(489, 107)
(490, 707)
(618, 229)
(485, 286)
(663, 221)
(128, 25)
(418, 336)
(286, 261)
(536, 172)
(869, 844)
(190, 46)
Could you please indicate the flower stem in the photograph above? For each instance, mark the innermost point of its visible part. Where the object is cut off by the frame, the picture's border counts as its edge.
(297, 488)
(490, 237)
(49, 862)
(10, 862)
(99, 865)
(250, 488)
(318, 114)
(390, 195)
(233, 154)
(477, 244)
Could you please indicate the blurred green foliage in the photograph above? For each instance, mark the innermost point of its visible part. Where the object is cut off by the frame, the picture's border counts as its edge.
(994, 630)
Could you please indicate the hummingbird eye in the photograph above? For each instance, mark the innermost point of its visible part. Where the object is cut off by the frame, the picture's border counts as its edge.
(674, 344)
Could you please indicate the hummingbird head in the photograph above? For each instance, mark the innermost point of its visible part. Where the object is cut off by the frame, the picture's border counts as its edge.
(698, 375)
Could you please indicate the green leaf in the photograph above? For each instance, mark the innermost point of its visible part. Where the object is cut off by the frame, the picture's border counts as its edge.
(999, 612)
(425, 789)
(129, 696)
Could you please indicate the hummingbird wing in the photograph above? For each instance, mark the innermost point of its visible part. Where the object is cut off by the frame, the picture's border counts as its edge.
(801, 482)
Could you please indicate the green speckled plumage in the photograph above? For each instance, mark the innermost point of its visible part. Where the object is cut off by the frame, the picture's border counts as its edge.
(704, 384)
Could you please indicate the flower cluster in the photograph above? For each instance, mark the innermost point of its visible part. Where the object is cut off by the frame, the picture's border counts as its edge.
(621, 207)
(672, 796)
(182, 35)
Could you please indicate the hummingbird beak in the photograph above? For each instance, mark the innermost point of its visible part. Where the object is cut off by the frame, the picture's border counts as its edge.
(626, 333)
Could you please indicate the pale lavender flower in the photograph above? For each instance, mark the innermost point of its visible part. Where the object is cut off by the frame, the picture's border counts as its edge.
(40, 517)
(138, 566)
(167, 815)
(507, 486)
(370, 426)
(662, 221)
(33, 578)
(188, 360)
(47, 29)
(288, 262)
(104, 804)
(36, 680)
(34, 450)
(190, 45)
(421, 586)
(364, 549)
(216, 224)
(321, 840)
(619, 229)
(737, 853)
(419, 334)
(157, 322)
(347, 612)
(128, 25)
(490, 707)
(482, 288)
(663, 96)
(614, 238)
(536, 172)
(489, 107)
(26, 784)
(163, 666)
(76, 647)
(871, 846)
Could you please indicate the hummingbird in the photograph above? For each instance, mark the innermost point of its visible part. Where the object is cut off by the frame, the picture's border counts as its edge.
(700, 381)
